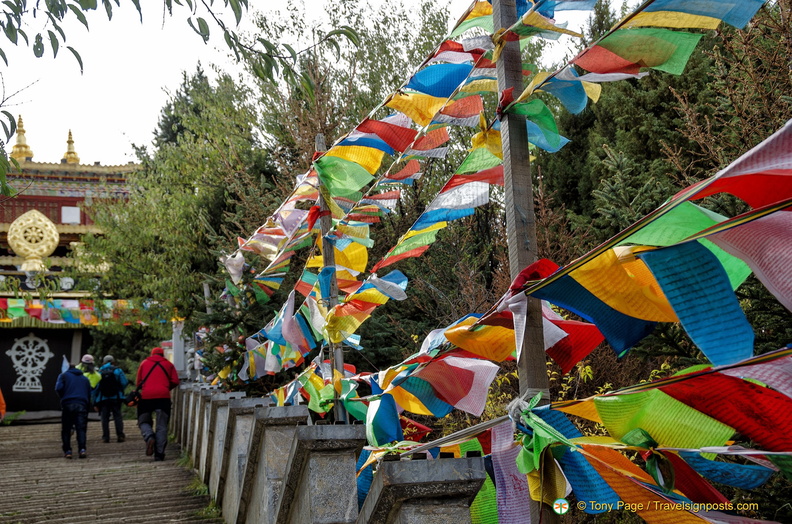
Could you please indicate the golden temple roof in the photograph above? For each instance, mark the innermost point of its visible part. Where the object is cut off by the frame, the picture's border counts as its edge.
(71, 155)
(21, 150)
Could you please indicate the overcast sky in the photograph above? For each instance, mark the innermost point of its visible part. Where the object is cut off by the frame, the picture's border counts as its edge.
(117, 100)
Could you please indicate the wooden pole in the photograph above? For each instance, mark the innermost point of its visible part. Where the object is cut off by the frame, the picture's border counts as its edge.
(520, 217)
(328, 260)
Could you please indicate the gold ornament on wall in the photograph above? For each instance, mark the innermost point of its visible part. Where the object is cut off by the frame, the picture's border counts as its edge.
(33, 236)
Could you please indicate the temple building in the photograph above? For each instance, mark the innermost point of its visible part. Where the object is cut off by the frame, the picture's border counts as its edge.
(43, 316)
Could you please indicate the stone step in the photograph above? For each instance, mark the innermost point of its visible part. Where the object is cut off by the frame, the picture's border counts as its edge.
(116, 483)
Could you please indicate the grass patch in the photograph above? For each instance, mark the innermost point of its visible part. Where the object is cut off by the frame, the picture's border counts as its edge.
(11, 418)
(184, 460)
(197, 488)
(210, 512)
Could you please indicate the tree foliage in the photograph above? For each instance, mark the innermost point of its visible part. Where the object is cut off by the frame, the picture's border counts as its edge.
(206, 181)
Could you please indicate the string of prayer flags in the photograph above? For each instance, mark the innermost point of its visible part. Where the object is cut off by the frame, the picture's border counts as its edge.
(620, 312)
(62, 311)
(458, 198)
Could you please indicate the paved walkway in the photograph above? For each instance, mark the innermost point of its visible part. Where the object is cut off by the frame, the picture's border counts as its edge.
(116, 483)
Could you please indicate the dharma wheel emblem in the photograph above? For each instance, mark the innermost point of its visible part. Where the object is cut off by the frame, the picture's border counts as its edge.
(34, 237)
(29, 355)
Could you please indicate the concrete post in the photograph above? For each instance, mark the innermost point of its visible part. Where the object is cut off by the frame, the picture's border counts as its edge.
(241, 416)
(216, 438)
(320, 483)
(204, 428)
(423, 492)
(177, 343)
(206, 443)
(204, 396)
(181, 414)
(267, 462)
(174, 424)
(190, 405)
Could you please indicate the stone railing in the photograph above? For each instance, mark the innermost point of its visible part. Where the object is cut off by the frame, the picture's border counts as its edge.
(268, 464)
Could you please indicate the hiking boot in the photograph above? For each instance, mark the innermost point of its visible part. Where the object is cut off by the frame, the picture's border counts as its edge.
(121, 438)
(67, 455)
(150, 446)
(83, 454)
(106, 440)
(159, 456)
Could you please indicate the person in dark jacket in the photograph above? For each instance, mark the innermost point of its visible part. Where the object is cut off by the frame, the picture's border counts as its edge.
(107, 397)
(74, 390)
(158, 377)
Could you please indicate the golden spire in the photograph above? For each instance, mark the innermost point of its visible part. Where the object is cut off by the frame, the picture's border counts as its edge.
(71, 156)
(21, 151)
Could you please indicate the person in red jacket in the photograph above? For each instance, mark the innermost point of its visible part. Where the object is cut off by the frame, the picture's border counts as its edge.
(156, 377)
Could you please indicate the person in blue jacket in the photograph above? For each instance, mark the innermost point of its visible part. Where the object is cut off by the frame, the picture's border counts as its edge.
(107, 397)
(74, 390)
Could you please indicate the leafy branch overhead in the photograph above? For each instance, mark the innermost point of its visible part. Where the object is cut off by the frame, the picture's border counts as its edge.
(270, 59)
(16, 15)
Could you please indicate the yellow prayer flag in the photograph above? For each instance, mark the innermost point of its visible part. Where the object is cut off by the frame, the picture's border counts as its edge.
(627, 287)
(672, 19)
(366, 157)
(420, 108)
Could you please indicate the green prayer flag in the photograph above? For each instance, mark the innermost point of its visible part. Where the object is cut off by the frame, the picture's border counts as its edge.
(657, 48)
(414, 242)
(478, 160)
(341, 177)
(670, 422)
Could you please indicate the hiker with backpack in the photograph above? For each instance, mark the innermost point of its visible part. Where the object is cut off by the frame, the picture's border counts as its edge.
(107, 397)
(156, 377)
